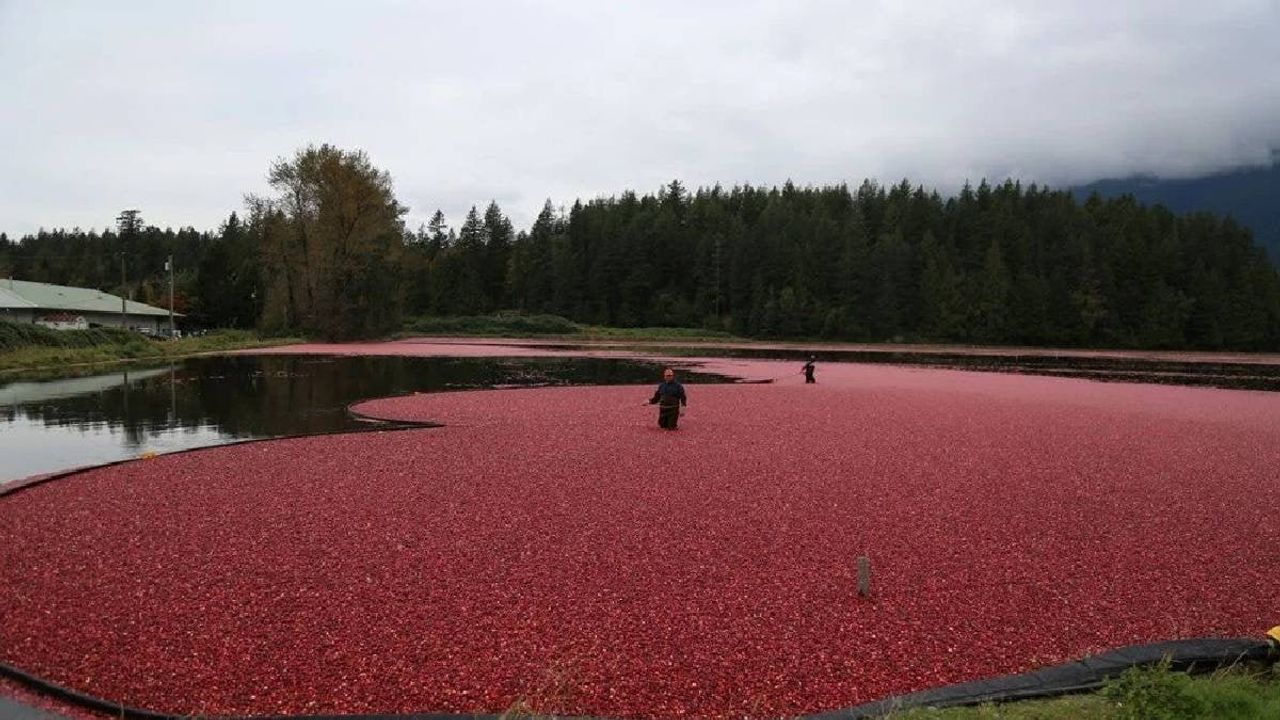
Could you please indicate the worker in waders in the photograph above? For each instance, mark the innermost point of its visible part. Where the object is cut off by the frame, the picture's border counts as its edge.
(808, 371)
(669, 397)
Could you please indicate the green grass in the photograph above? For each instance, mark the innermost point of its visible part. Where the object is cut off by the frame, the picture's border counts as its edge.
(599, 332)
(1066, 708)
(1141, 694)
(503, 324)
(29, 349)
(519, 325)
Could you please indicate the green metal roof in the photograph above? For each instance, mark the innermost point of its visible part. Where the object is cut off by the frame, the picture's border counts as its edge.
(25, 295)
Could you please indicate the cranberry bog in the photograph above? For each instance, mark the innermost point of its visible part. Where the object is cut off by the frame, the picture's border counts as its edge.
(1228, 370)
(552, 549)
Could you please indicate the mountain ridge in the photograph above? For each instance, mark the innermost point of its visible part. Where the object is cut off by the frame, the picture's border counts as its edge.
(1250, 195)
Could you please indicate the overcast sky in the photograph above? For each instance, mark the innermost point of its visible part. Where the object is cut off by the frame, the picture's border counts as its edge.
(178, 108)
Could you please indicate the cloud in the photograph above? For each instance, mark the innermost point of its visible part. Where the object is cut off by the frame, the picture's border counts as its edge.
(178, 108)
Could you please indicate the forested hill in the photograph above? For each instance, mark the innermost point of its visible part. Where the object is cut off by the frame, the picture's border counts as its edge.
(995, 264)
(1002, 264)
(1250, 195)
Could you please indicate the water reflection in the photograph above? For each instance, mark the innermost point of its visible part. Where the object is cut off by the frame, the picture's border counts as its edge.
(57, 424)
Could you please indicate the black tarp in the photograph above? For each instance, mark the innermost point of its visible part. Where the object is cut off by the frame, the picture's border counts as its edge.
(1078, 676)
(1082, 675)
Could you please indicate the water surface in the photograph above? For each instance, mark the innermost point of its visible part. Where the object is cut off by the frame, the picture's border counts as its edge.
(52, 425)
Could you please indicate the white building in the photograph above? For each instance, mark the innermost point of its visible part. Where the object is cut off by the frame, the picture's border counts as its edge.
(70, 308)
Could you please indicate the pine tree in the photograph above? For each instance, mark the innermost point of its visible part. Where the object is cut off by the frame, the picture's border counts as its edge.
(468, 269)
(992, 297)
(942, 300)
(498, 235)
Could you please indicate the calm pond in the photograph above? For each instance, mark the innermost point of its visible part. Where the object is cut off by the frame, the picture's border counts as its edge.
(52, 425)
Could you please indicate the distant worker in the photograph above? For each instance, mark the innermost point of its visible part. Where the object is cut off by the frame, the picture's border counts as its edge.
(808, 371)
(669, 397)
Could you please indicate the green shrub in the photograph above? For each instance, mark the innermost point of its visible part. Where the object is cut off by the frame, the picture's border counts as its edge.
(33, 351)
(14, 336)
(514, 324)
(1153, 694)
(655, 333)
(499, 324)
(1241, 695)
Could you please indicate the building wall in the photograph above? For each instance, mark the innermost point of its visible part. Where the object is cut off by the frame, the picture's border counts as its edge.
(158, 324)
(25, 317)
(63, 321)
(150, 323)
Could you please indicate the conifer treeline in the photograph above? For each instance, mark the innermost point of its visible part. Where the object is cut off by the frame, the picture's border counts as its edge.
(1003, 264)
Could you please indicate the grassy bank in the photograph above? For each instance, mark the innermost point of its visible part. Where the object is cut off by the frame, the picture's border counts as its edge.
(1141, 694)
(27, 348)
(515, 325)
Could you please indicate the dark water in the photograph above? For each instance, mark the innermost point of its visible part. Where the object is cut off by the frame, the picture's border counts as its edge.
(52, 425)
(1226, 375)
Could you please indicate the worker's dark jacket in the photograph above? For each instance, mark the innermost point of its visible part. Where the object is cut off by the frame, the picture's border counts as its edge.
(669, 394)
(669, 397)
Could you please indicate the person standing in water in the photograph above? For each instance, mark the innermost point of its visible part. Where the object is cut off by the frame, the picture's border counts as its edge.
(669, 397)
(808, 371)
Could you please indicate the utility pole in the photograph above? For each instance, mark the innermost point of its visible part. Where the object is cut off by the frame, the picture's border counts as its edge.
(168, 265)
(124, 323)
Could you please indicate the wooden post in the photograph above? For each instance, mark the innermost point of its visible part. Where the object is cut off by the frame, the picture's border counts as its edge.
(864, 575)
